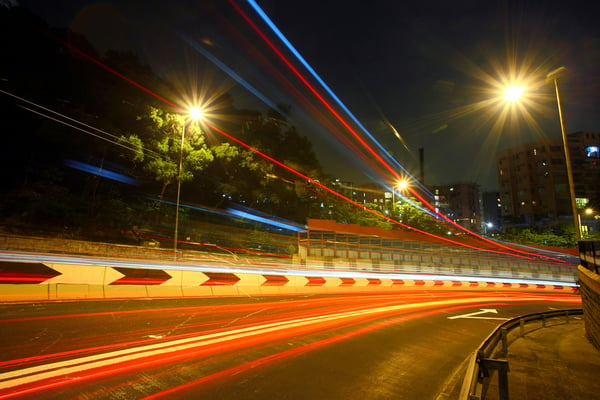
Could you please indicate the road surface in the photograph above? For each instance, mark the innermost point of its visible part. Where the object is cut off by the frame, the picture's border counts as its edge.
(377, 346)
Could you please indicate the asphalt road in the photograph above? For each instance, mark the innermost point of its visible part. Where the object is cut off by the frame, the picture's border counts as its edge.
(400, 346)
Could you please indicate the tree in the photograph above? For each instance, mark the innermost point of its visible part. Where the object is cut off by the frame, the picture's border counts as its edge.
(416, 218)
(158, 147)
(558, 236)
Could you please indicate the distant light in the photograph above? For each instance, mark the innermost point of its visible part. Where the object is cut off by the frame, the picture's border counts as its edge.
(403, 184)
(490, 225)
(514, 93)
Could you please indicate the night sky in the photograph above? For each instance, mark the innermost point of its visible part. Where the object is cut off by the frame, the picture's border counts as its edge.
(415, 74)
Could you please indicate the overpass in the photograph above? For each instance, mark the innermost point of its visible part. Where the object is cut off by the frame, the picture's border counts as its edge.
(330, 258)
(334, 246)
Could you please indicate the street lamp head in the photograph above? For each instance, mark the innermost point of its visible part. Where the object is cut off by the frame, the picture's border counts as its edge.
(403, 184)
(555, 74)
(514, 93)
(196, 113)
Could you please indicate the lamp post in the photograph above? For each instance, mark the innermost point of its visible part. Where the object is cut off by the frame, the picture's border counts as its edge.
(513, 94)
(589, 212)
(401, 185)
(553, 76)
(195, 114)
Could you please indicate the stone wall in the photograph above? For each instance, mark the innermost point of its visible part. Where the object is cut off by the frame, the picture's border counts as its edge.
(589, 283)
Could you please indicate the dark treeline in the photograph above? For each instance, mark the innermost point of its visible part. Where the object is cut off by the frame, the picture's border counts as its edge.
(87, 154)
(55, 175)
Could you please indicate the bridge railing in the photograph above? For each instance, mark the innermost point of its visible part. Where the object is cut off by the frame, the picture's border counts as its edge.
(486, 359)
(328, 248)
(589, 254)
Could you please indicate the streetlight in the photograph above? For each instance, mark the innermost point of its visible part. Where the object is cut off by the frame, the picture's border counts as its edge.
(553, 75)
(513, 94)
(401, 185)
(588, 213)
(195, 114)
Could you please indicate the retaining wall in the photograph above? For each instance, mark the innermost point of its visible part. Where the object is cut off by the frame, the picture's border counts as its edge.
(589, 283)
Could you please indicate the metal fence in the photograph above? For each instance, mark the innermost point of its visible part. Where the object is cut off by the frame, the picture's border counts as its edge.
(485, 360)
(376, 253)
(589, 254)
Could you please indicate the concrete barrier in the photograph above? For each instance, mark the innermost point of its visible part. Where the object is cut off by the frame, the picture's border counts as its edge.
(21, 281)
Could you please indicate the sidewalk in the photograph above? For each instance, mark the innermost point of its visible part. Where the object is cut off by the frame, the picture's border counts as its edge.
(553, 363)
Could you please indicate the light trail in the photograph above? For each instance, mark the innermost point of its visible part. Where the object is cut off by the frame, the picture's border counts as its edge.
(278, 357)
(281, 269)
(228, 71)
(393, 172)
(107, 68)
(512, 252)
(100, 171)
(282, 37)
(525, 255)
(315, 112)
(312, 316)
(337, 116)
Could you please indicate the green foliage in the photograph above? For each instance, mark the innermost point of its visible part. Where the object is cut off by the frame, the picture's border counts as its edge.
(162, 141)
(412, 216)
(559, 236)
(135, 145)
(367, 218)
(226, 152)
(148, 144)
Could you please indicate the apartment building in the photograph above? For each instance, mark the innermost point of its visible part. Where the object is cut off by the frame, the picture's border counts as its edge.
(460, 202)
(533, 182)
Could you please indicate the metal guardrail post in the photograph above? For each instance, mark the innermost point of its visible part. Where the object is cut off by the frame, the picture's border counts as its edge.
(522, 327)
(502, 367)
(503, 334)
(481, 362)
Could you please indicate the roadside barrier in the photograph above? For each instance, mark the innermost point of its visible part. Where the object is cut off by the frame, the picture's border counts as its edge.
(485, 360)
(41, 281)
(589, 255)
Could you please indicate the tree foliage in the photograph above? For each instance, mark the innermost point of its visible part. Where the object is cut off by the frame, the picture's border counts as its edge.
(559, 236)
(162, 141)
(412, 216)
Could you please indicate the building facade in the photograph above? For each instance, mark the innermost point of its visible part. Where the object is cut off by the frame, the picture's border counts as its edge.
(533, 182)
(460, 202)
(491, 206)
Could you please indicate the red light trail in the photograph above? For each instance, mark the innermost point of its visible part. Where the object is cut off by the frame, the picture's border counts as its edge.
(361, 141)
(221, 332)
(365, 145)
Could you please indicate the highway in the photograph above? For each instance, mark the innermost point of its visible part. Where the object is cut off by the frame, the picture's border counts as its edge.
(403, 345)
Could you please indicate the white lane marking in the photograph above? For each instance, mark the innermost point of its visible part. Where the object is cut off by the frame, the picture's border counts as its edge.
(475, 315)
(28, 375)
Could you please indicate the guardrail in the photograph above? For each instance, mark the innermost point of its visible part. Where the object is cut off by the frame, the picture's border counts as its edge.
(483, 362)
(589, 254)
